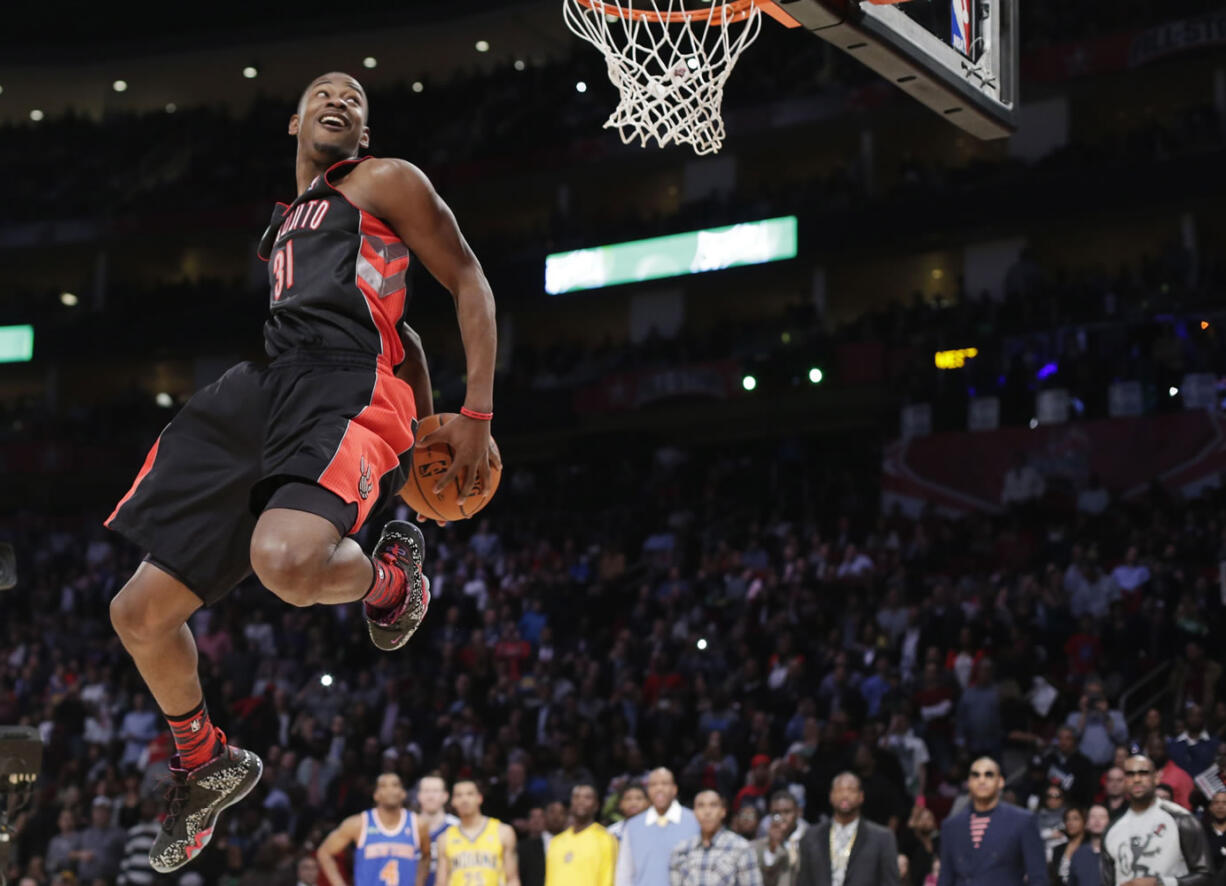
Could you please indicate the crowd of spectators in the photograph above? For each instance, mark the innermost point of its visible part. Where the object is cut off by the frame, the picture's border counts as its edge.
(749, 647)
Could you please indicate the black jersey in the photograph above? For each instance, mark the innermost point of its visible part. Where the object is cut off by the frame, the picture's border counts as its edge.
(336, 274)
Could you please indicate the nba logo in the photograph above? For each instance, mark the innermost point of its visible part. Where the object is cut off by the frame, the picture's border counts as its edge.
(960, 25)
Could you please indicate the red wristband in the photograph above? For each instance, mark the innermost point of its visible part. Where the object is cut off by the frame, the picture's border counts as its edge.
(473, 414)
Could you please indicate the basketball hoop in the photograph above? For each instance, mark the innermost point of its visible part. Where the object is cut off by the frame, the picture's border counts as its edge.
(669, 63)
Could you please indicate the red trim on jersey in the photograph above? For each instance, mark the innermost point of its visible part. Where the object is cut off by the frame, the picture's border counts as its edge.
(145, 469)
(386, 309)
(373, 442)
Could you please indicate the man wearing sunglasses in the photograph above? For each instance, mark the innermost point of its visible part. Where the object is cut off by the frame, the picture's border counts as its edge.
(1155, 843)
(991, 843)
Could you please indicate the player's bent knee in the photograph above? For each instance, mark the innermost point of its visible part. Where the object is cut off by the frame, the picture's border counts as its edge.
(136, 619)
(289, 569)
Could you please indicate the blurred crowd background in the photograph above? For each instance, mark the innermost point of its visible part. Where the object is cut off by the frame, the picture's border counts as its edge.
(710, 580)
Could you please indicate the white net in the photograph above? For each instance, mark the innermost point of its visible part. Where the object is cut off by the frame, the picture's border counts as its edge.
(668, 62)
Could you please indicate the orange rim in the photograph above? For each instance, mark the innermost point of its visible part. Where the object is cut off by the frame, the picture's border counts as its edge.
(738, 10)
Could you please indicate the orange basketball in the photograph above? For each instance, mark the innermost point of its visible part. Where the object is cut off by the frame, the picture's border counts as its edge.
(430, 463)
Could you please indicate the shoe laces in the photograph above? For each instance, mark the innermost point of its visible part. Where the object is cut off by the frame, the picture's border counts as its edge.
(178, 792)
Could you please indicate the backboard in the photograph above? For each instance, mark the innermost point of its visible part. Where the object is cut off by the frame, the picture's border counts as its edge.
(958, 57)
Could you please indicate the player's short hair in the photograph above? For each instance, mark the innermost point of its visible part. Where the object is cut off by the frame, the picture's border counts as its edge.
(784, 794)
(847, 773)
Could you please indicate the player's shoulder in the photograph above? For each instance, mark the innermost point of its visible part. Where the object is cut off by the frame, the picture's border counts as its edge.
(384, 170)
(1174, 810)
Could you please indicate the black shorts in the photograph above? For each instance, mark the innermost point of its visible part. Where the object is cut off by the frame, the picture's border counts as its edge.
(333, 419)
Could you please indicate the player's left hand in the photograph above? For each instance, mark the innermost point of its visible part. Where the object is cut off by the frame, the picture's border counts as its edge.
(472, 453)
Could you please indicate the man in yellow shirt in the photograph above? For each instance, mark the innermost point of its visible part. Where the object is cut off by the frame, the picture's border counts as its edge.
(584, 852)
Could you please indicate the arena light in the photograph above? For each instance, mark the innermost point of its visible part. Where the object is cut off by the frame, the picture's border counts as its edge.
(370, 62)
(749, 383)
(520, 64)
(16, 344)
(1, 90)
(580, 86)
(954, 359)
(120, 86)
(694, 252)
(36, 115)
(418, 86)
(171, 107)
(701, 644)
(1173, 391)
(251, 72)
(325, 680)
(483, 46)
(164, 400)
(69, 299)
(816, 376)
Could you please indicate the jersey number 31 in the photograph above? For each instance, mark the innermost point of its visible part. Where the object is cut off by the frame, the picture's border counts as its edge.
(283, 276)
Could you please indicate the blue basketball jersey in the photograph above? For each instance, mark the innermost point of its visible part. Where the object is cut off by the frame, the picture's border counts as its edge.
(386, 856)
(435, 833)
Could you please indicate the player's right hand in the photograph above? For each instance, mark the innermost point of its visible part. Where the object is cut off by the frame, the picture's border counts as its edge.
(422, 518)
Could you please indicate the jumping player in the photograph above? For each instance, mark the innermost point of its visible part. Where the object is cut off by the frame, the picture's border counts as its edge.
(393, 844)
(273, 467)
(479, 851)
(432, 797)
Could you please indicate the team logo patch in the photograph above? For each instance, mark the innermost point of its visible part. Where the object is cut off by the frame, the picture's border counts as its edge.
(366, 483)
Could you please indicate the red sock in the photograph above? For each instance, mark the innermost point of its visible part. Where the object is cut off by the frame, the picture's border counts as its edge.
(196, 738)
(387, 589)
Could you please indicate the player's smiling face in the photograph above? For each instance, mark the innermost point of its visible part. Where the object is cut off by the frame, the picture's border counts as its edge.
(331, 118)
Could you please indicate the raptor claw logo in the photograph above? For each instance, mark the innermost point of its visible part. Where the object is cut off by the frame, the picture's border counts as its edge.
(366, 482)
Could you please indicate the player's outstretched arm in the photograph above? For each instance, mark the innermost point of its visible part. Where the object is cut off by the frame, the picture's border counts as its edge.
(416, 371)
(510, 854)
(333, 845)
(400, 194)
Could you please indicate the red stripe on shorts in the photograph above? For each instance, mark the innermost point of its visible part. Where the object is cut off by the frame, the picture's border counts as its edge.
(371, 447)
(145, 468)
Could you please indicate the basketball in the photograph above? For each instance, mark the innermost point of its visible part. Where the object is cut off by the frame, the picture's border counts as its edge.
(430, 463)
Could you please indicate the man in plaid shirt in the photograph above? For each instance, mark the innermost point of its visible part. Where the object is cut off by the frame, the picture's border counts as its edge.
(716, 857)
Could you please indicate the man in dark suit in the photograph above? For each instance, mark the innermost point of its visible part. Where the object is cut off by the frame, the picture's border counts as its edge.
(991, 843)
(848, 850)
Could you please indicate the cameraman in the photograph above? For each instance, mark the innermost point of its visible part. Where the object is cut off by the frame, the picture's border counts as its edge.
(1098, 726)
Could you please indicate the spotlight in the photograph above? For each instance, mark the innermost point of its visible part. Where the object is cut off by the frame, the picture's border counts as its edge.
(1173, 391)
(164, 400)
(749, 382)
(251, 72)
(69, 299)
(701, 644)
(519, 64)
(120, 86)
(816, 375)
(325, 680)
(370, 62)
(1034, 423)
(418, 86)
(171, 107)
(483, 46)
(580, 86)
(36, 115)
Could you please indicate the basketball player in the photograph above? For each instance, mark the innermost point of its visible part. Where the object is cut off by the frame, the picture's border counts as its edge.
(432, 796)
(273, 467)
(479, 851)
(393, 844)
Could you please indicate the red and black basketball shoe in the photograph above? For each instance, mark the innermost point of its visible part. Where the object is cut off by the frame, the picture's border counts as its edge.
(195, 799)
(401, 546)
